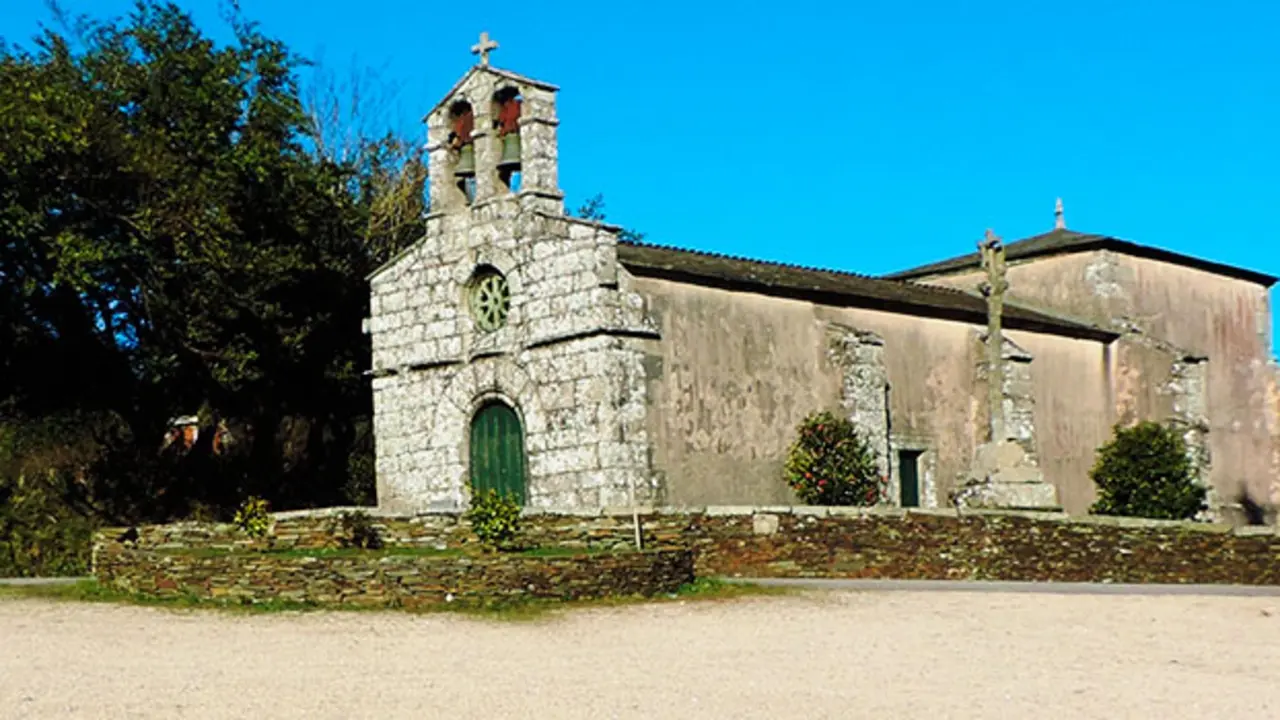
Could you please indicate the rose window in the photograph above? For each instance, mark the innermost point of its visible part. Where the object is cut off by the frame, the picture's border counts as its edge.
(490, 300)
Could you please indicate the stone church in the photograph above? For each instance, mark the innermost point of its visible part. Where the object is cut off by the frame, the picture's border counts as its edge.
(536, 352)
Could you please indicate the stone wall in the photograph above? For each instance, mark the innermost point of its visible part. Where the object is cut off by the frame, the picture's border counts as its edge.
(829, 542)
(389, 580)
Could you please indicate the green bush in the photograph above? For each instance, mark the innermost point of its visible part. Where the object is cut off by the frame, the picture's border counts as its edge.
(1145, 472)
(495, 519)
(254, 517)
(831, 464)
(41, 533)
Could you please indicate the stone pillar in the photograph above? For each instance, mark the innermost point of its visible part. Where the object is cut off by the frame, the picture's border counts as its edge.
(864, 395)
(538, 130)
(1188, 379)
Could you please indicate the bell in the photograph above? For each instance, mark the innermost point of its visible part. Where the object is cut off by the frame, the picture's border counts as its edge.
(510, 151)
(466, 161)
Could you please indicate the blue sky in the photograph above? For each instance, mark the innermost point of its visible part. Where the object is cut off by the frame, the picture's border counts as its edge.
(868, 136)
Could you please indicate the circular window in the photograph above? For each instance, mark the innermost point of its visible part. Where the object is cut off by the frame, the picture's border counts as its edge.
(490, 300)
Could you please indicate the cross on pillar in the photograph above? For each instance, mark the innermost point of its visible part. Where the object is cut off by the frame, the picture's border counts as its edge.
(483, 47)
(993, 289)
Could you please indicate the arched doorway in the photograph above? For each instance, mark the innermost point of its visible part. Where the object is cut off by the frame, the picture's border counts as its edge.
(497, 451)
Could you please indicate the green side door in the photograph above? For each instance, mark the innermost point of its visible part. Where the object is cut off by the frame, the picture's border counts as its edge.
(497, 452)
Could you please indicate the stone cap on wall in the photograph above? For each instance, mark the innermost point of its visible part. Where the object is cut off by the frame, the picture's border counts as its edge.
(812, 511)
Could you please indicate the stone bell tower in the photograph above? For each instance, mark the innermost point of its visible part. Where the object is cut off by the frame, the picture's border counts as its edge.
(508, 349)
(493, 136)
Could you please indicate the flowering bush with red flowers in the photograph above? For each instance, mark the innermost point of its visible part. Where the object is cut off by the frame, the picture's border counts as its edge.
(831, 464)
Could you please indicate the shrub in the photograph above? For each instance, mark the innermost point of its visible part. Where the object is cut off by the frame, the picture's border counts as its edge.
(831, 464)
(494, 518)
(47, 513)
(359, 531)
(42, 534)
(253, 517)
(1145, 472)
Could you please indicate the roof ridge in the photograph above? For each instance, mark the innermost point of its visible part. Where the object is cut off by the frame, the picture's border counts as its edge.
(926, 295)
(758, 261)
(940, 289)
(1065, 240)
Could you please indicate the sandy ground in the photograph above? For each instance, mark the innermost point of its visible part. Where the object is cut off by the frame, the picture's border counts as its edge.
(821, 655)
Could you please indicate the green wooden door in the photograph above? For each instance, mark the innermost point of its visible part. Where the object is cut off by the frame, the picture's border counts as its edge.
(497, 451)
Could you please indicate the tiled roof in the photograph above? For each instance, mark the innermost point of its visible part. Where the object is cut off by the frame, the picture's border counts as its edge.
(831, 287)
(1068, 241)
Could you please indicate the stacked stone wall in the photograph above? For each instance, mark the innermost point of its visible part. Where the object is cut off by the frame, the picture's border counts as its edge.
(389, 580)
(828, 542)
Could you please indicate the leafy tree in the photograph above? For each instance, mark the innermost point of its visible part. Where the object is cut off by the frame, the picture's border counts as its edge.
(175, 241)
(1144, 471)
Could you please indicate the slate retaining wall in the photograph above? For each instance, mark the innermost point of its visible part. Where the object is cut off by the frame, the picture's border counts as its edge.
(834, 542)
(390, 580)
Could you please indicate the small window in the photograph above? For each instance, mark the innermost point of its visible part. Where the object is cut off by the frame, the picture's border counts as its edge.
(489, 299)
(909, 478)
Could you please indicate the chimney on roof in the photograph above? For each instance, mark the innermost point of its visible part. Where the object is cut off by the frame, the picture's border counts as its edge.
(1059, 222)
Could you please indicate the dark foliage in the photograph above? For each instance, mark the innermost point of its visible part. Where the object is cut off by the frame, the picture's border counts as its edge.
(1145, 472)
(358, 531)
(174, 242)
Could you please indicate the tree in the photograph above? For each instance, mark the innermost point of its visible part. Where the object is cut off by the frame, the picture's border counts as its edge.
(175, 242)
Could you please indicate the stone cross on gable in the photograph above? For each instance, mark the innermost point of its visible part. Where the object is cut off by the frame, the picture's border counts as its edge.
(483, 47)
(993, 288)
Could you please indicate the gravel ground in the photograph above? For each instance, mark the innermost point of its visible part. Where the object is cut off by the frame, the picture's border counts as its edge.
(819, 655)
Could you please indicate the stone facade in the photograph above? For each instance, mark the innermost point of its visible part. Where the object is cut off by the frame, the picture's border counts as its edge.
(567, 359)
(641, 374)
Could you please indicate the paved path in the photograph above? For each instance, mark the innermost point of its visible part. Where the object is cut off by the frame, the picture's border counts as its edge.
(985, 586)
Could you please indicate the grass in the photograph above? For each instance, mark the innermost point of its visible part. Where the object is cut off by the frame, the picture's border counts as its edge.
(700, 590)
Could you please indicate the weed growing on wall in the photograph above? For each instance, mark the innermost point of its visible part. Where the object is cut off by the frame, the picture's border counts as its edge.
(831, 464)
(1145, 472)
(494, 518)
(253, 517)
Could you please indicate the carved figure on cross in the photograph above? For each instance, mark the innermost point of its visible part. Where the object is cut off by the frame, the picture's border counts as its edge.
(483, 47)
(992, 249)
